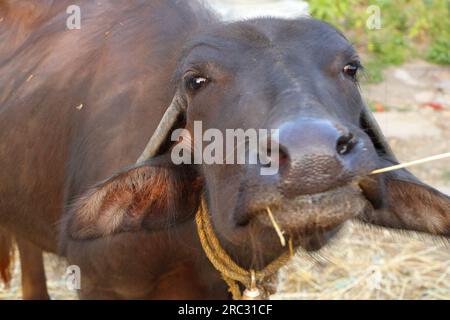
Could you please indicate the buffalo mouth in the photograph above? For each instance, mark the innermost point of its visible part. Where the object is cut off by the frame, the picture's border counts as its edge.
(311, 220)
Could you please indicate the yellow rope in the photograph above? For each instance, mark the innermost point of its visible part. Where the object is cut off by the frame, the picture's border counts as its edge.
(231, 272)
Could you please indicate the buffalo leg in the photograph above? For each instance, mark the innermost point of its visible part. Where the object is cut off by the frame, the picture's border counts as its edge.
(34, 285)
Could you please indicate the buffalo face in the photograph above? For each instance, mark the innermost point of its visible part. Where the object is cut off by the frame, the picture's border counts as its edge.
(299, 77)
(296, 76)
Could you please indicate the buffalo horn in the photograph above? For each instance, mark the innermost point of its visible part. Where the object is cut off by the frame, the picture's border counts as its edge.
(164, 128)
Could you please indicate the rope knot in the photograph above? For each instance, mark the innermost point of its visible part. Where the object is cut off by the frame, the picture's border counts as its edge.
(231, 272)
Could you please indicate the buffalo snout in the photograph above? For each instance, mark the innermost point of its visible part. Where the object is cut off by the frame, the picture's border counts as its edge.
(318, 155)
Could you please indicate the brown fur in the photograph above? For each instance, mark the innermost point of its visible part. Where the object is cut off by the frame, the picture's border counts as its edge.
(6, 256)
(133, 235)
(50, 151)
(34, 285)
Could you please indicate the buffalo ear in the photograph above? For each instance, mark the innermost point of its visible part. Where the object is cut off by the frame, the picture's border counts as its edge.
(149, 196)
(399, 200)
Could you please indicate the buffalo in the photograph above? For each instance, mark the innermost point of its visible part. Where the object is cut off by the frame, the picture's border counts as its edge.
(79, 107)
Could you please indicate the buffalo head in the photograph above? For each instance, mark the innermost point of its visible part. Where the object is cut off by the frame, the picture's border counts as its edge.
(296, 76)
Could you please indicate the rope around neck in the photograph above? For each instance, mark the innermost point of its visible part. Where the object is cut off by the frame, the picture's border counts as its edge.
(231, 272)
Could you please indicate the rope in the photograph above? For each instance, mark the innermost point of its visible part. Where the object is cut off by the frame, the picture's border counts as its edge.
(231, 272)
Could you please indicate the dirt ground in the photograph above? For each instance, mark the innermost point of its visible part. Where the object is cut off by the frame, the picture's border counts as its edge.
(363, 262)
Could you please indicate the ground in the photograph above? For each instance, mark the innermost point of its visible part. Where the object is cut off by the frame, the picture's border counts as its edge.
(363, 262)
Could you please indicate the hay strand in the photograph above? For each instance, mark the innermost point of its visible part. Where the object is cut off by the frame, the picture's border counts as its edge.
(412, 163)
(276, 227)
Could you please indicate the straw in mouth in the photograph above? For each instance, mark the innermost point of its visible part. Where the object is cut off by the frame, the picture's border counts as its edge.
(412, 163)
(277, 228)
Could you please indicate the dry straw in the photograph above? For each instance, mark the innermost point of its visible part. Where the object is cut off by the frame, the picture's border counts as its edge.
(365, 262)
(277, 228)
(412, 163)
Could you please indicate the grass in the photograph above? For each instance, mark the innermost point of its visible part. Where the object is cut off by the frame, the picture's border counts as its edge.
(409, 29)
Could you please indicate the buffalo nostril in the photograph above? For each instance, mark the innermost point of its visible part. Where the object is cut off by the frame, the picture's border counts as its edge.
(345, 144)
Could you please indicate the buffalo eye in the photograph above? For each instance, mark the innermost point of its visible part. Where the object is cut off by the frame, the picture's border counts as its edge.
(195, 83)
(351, 69)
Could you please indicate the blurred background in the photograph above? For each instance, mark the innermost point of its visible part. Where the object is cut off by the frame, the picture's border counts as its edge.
(405, 48)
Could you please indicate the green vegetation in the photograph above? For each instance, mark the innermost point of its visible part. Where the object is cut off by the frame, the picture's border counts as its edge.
(409, 29)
